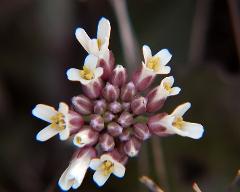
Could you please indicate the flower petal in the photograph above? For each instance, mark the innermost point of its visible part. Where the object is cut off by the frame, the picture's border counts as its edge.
(63, 108)
(175, 91)
(95, 163)
(93, 47)
(91, 62)
(119, 170)
(44, 112)
(193, 130)
(100, 178)
(165, 56)
(46, 133)
(65, 183)
(169, 80)
(104, 29)
(64, 134)
(98, 72)
(83, 38)
(146, 53)
(73, 74)
(181, 109)
(164, 70)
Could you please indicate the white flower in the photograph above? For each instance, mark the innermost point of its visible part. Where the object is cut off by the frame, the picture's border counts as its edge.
(75, 173)
(104, 167)
(96, 46)
(58, 119)
(165, 89)
(176, 125)
(88, 74)
(157, 63)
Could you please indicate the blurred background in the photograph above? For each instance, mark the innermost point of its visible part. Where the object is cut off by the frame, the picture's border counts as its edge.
(37, 46)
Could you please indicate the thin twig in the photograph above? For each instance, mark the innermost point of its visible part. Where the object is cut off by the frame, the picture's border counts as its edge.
(235, 183)
(149, 183)
(196, 188)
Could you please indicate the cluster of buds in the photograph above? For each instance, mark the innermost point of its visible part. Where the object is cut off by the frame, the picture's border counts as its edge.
(113, 116)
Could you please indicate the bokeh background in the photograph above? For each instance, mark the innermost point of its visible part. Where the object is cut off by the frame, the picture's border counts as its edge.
(37, 45)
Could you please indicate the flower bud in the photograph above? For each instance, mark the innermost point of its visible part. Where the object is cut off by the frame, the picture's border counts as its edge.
(115, 107)
(90, 151)
(97, 122)
(138, 105)
(85, 137)
(128, 92)
(75, 122)
(119, 76)
(132, 147)
(141, 131)
(114, 129)
(126, 106)
(108, 117)
(93, 89)
(119, 155)
(155, 126)
(110, 92)
(100, 106)
(107, 64)
(125, 135)
(106, 142)
(154, 102)
(125, 119)
(82, 105)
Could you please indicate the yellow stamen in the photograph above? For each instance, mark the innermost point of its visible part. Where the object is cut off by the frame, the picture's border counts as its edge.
(154, 63)
(99, 43)
(107, 167)
(86, 73)
(58, 122)
(78, 140)
(167, 86)
(178, 122)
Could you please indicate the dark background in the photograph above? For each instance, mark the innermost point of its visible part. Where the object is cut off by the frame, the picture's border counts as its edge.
(37, 45)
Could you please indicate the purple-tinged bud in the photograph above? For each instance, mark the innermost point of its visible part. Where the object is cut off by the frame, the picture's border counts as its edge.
(97, 122)
(114, 129)
(125, 119)
(126, 134)
(115, 107)
(143, 78)
(82, 105)
(93, 89)
(106, 142)
(119, 76)
(89, 151)
(110, 92)
(128, 92)
(141, 131)
(75, 122)
(132, 147)
(100, 106)
(155, 126)
(107, 64)
(126, 106)
(119, 155)
(139, 105)
(85, 137)
(154, 102)
(108, 117)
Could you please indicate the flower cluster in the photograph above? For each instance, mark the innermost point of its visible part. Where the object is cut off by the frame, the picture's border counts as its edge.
(114, 115)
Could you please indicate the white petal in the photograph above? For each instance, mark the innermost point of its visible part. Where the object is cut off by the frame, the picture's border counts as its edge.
(175, 91)
(165, 56)
(104, 29)
(44, 112)
(193, 130)
(164, 70)
(74, 74)
(83, 38)
(63, 108)
(95, 163)
(64, 134)
(91, 62)
(100, 178)
(147, 53)
(106, 157)
(46, 133)
(167, 123)
(98, 72)
(181, 109)
(169, 80)
(64, 183)
(93, 47)
(119, 170)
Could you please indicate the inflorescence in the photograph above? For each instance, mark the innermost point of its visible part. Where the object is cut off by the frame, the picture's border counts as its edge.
(109, 122)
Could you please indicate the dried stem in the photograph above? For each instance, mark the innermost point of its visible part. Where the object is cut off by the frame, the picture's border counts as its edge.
(196, 188)
(150, 184)
(235, 183)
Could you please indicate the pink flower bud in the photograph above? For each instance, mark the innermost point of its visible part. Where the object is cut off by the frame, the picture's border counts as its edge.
(115, 107)
(128, 92)
(75, 121)
(93, 89)
(107, 64)
(114, 129)
(82, 105)
(132, 147)
(139, 105)
(97, 122)
(85, 137)
(119, 155)
(110, 92)
(119, 76)
(143, 78)
(154, 125)
(154, 101)
(125, 119)
(89, 151)
(106, 142)
(126, 106)
(125, 135)
(100, 106)
(141, 131)
(108, 117)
